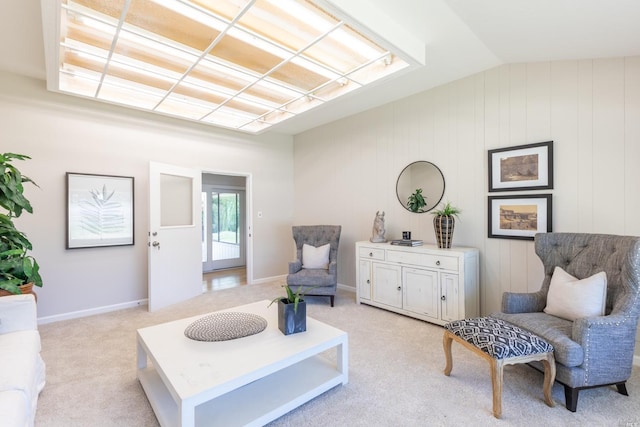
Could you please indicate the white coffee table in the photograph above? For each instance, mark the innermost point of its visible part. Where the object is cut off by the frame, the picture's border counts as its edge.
(245, 381)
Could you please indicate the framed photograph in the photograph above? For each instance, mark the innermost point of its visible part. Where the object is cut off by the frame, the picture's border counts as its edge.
(522, 167)
(99, 210)
(519, 217)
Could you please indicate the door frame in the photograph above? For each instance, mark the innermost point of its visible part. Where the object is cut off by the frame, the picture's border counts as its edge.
(248, 232)
(242, 221)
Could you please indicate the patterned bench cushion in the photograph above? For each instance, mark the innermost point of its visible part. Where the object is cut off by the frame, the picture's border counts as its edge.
(498, 338)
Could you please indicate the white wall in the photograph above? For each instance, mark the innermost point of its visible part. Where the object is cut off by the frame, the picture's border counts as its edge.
(63, 134)
(347, 170)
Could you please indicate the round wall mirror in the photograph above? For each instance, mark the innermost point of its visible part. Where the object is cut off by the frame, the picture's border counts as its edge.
(420, 175)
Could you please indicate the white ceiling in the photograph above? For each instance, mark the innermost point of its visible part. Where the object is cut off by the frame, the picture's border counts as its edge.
(462, 37)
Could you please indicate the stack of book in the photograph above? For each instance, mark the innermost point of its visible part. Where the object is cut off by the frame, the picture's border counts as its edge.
(406, 242)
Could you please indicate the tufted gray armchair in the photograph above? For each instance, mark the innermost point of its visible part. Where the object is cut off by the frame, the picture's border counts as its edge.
(324, 281)
(591, 351)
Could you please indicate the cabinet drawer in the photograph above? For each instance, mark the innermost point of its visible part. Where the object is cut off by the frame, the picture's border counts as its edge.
(372, 253)
(424, 260)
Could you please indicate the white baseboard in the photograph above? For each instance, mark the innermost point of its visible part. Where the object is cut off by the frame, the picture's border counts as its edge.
(269, 279)
(346, 288)
(91, 311)
(122, 306)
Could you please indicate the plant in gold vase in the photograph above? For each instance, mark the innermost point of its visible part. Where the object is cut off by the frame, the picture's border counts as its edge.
(444, 223)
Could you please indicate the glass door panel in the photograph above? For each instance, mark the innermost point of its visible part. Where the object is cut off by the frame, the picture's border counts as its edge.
(223, 240)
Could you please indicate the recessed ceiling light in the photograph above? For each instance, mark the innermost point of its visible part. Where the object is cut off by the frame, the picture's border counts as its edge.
(239, 64)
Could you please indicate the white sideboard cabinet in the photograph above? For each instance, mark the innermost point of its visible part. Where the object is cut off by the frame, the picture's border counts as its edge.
(436, 285)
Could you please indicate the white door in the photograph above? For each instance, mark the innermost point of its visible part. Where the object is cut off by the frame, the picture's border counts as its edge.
(175, 251)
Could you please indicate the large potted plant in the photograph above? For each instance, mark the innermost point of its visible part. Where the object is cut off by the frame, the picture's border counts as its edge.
(444, 223)
(19, 271)
(292, 310)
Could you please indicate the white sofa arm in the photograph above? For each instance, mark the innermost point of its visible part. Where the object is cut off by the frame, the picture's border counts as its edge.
(18, 313)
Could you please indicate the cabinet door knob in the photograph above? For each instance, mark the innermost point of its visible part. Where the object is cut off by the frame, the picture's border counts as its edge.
(438, 262)
(443, 298)
(368, 281)
(370, 253)
(399, 288)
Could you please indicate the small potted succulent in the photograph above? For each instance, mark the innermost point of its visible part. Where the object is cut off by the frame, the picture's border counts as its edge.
(444, 223)
(19, 271)
(292, 310)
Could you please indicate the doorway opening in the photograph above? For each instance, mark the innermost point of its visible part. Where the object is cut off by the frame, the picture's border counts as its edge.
(223, 230)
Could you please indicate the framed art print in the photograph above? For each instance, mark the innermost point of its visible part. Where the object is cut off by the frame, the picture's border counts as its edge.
(519, 217)
(99, 210)
(522, 167)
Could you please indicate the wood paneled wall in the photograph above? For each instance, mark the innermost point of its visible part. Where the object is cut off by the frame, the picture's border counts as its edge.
(347, 170)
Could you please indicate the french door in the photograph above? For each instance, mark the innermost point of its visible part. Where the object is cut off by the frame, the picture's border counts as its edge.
(223, 225)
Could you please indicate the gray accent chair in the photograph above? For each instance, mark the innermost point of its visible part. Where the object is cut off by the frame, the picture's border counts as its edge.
(324, 281)
(591, 351)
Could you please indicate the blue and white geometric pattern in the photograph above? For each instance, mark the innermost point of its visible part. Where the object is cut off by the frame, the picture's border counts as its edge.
(498, 338)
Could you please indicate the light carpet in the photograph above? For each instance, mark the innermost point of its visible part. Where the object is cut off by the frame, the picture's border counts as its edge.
(395, 374)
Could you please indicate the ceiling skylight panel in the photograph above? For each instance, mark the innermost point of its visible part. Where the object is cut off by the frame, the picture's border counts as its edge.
(273, 91)
(75, 59)
(148, 68)
(191, 12)
(252, 63)
(307, 12)
(184, 107)
(228, 117)
(279, 22)
(336, 88)
(232, 80)
(255, 126)
(343, 54)
(125, 92)
(259, 42)
(378, 69)
(302, 104)
(277, 116)
(256, 101)
(352, 42)
(202, 90)
(154, 52)
(244, 55)
(227, 10)
(90, 29)
(167, 24)
(252, 108)
(218, 81)
(78, 81)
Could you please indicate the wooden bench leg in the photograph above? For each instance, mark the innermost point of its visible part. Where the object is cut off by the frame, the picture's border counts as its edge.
(549, 378)
(447, 339)
(496, 383)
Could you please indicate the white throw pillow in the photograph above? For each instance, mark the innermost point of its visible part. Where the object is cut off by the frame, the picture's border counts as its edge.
(313, 257)
(571, 298)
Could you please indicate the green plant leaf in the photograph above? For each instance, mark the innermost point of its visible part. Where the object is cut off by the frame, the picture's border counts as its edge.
(11, 285)
(293, 297)
(416, 201)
